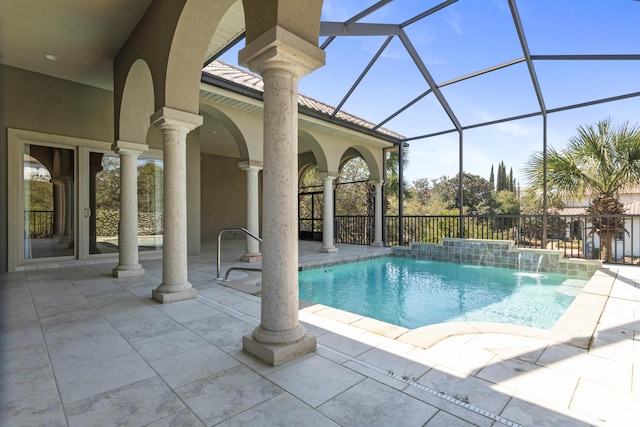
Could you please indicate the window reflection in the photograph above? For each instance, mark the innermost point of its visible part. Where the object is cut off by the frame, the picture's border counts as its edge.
(49, 187)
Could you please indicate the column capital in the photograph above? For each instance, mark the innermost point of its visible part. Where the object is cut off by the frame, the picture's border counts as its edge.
(136, 148)
(167, 118)
(281, 49)
(376, 182)
(250, 165)
(328, 175)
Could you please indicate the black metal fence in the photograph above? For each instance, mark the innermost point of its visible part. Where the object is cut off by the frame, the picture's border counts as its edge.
(38, 224)
(357, 230)
(570, 233)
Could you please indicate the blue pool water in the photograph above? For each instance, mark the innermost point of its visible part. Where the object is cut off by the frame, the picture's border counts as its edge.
(413, 293)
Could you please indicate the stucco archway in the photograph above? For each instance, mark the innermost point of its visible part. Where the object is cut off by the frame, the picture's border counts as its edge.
(225, 132)
(374, 165)
(308, 144)
(136, 105)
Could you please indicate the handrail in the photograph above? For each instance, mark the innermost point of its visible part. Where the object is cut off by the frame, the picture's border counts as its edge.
(247, 232)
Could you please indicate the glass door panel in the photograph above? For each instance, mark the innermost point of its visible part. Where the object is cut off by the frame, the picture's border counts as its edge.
(49, 202)
(149, 204)
(104, 202)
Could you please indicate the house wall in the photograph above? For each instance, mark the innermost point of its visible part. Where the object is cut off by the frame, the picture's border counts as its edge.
(36, 102)
(223, 197)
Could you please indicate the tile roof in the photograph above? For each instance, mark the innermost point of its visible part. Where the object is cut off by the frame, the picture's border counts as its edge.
(253, 81)
(631, 208)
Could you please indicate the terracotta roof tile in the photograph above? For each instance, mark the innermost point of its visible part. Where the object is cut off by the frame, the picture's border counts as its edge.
(253, 81)
(631, 208)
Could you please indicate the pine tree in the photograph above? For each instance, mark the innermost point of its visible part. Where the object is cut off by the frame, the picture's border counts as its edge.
(511, 185)
(502, 177)
(491, 179)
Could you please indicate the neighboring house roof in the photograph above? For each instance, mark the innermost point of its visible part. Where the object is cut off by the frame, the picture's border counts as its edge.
(631, 208)
(254, 82)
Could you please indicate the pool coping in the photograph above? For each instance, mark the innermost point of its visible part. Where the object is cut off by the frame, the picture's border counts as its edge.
(576, 327)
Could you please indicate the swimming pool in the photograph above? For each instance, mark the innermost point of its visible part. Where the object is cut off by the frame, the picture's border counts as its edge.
(414, 293)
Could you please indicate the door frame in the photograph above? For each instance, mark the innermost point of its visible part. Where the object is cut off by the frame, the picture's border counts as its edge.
(17, 139)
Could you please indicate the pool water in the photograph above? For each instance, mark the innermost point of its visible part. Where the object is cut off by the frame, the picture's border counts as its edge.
(412, 293)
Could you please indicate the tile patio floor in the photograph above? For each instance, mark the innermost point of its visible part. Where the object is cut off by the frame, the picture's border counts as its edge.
(82, 348)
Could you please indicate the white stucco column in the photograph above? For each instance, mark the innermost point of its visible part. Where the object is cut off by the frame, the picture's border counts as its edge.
(281, 58)
(327, 211)
(128, 228)
(377, 234)
(175, 126)
(253, 210)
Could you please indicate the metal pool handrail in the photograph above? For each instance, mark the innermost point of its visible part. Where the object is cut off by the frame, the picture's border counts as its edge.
(245, 231)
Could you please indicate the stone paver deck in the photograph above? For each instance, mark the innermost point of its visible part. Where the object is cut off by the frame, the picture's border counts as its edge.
(82, 348)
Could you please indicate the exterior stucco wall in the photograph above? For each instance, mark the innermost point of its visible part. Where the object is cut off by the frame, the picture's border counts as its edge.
(36, 102)
(224, 193)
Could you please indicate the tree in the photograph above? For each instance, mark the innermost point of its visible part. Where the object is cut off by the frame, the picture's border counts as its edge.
(601, 161)
(150, 187)
(492, 180)
(108, 184)
(503, 181)
(476, 190)
(502, 202)
(392, 184)
(351, 193)
(39, 196)
(531, 202)
(511, 184)
(420, 190)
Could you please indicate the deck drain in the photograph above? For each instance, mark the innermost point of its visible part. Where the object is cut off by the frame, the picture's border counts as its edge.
(406, 380)
(436, 393)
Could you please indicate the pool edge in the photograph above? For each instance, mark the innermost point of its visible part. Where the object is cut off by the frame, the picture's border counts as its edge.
(576, 327)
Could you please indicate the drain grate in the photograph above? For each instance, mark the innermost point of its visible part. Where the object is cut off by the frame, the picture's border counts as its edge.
(458, 402)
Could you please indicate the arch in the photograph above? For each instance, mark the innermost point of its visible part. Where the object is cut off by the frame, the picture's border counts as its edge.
(307, 141)
(226, 124)
(356, 160)
(194, 29)
(172, 39)
(314, 172)
(137, 104)
(374, 165)
(354, 198)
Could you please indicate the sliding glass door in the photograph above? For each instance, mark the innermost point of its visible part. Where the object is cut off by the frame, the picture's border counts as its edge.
(65, 197)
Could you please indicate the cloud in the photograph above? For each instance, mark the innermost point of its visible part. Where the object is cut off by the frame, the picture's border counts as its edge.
(513, 128)
(455, 21)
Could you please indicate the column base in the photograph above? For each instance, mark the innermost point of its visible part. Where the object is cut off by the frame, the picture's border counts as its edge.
(167, 297)
(128, 270)
(277, 354)
(251, 257)
(378, 244)
(328, 249)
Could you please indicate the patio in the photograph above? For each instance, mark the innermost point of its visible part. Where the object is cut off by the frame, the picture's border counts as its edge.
(82, 348)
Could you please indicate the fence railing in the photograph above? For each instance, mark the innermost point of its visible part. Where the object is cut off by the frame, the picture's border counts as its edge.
(357, 230)
(570, 233)
(38, 224)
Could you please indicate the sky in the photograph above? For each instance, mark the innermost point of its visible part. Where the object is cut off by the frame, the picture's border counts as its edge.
(473, 35)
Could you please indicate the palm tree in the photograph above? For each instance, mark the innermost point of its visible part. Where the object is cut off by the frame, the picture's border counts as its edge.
(602, 161)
